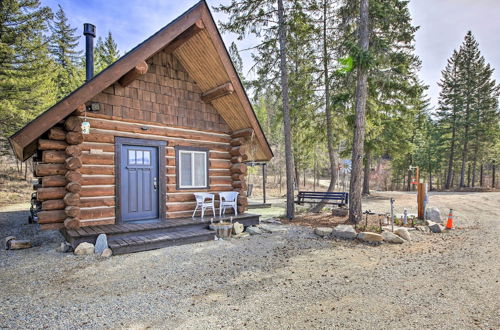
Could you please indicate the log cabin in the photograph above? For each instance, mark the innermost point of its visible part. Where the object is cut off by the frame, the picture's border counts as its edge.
(124, 153)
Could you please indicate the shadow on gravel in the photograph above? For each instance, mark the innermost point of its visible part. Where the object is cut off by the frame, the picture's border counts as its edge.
(15, 223)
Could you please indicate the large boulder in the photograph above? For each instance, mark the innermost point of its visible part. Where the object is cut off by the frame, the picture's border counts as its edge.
(238, 228)
(101, 243)
(403, 233)
(370, 237)
(436, 227)
(392, 238)
(344, 231)
(84, 249)
(254, 230)
(106, 253)
(323, 231)
(433, 214)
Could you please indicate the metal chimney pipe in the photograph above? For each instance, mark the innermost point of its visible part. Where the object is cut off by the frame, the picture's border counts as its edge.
(89, 33)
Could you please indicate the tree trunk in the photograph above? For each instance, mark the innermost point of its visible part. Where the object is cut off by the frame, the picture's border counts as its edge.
(430, 180)
(481, 168)
(429, 167)
(281, 180)
(290, 207)
(366, 174)
(408, 180)
(329, 125)
(493, 183)
(449, 174)
(315, 172)
(355, 188)
(465, 149)
(468, 175)
(474, 164)
(297, 175)
(26, 170)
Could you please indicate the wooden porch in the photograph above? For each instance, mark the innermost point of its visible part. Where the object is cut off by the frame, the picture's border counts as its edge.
(128, 238)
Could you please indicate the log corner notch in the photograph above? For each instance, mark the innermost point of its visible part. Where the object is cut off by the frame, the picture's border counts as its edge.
(246, 133)
(140, 69)
(239, 153)
(219, 91)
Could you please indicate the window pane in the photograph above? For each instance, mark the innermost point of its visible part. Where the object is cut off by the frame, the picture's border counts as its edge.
(147, 158)
(131, 157)
(139, 157)
(200, 169)
(185, 169)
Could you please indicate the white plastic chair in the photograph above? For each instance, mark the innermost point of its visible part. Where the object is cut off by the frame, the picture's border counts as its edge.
(200, 202)
(228, 199)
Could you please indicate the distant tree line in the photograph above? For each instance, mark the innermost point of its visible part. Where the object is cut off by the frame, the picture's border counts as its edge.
(40, 61)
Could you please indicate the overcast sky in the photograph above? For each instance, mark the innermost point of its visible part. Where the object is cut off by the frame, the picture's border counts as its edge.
(443, 25)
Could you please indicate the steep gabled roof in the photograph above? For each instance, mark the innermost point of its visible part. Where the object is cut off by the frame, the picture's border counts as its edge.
(195, 41)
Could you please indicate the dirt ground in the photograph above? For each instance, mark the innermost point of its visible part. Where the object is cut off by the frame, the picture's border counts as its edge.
(287, 279)
(371, 222)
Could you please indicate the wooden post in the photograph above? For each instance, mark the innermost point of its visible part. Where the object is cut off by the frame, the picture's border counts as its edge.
(420, 199)
(264, 183)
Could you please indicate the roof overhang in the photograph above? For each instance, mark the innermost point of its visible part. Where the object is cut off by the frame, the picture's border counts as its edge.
(190, 37)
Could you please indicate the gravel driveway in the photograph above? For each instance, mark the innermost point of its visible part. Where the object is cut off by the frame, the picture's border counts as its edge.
(288, 279)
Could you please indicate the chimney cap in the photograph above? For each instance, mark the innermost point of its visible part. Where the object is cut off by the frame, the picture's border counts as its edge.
(89, 29)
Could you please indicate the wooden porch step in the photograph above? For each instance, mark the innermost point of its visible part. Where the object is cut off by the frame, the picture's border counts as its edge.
(144, 242)
(115, 231)
(134, 237)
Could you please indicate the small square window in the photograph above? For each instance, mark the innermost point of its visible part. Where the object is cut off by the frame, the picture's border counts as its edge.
(131, 157)
(147, 158)
(139, 158)
(192, 168)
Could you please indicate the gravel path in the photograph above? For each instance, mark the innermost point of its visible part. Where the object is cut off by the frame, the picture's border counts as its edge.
(288, 279)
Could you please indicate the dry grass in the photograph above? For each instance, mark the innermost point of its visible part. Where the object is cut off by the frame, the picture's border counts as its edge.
(13, 188)
(371, 223)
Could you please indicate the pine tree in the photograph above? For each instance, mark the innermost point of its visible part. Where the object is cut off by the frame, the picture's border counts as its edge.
(26, 70)
(63, 47)
(468, 109)
(448, 111)
(355, 188)
(106, 53)
(282, 52)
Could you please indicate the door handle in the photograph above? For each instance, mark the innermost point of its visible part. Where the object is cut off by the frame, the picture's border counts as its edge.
(155, 183)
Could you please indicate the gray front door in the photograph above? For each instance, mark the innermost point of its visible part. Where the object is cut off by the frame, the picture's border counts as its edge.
(139, 191)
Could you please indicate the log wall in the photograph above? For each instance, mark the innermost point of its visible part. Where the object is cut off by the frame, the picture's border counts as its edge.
(98, 168)
(58, 171)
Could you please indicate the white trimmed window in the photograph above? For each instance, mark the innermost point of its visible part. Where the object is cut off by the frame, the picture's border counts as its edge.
(192, 168)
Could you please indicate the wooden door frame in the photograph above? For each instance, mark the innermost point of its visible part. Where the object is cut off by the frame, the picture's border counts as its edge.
(162, 185)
